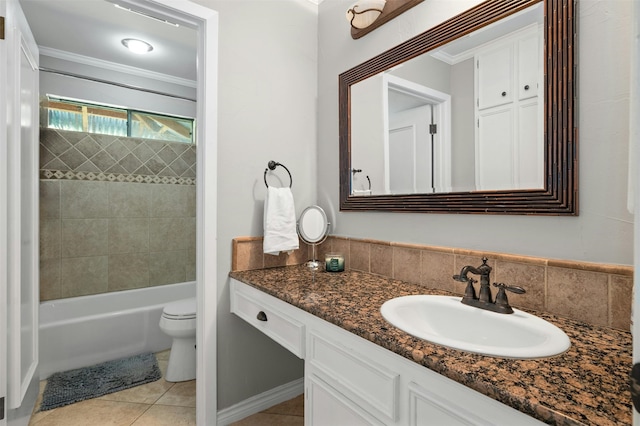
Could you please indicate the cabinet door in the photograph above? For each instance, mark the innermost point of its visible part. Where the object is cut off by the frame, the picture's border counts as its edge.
(437, 401)
(495, 77)
(530, 147)
(494, 153)
(328, 407)
(351, 369)
(429, 408)
(529, 66)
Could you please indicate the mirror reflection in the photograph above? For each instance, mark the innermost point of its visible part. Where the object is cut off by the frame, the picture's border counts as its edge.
(467, 116)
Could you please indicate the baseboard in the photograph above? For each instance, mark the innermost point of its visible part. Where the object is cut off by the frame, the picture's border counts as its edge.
(260, 402)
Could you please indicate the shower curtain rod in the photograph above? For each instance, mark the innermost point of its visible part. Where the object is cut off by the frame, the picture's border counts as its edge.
(126, 86)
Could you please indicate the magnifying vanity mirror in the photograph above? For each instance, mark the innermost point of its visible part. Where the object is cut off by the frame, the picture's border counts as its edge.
(313, 228)
(475, 115)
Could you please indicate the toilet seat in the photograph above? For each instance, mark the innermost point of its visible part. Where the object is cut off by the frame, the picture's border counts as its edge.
(184, 309)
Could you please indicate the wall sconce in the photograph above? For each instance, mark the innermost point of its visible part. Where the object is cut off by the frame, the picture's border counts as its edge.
(365, 12)
(367, 15)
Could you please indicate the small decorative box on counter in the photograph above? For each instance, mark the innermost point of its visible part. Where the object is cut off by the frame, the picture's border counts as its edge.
(334, 262)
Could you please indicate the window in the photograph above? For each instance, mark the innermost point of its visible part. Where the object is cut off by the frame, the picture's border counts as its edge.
(77, 116)
(163, 127)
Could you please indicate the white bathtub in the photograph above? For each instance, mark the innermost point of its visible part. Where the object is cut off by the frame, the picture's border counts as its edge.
(86, 330)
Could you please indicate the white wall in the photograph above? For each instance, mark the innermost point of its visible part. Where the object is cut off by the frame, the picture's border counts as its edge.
(368, 127)
(267, 111)
(603, 230)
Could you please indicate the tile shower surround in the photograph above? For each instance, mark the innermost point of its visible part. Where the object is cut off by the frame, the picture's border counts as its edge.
(598, 294)
(89, 156)
(115, 213)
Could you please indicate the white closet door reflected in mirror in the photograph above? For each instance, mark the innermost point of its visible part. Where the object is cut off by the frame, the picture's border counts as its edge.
(509, 116)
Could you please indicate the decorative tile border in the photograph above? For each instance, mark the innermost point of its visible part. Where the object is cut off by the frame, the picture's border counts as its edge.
(87, 156)
(114, 177)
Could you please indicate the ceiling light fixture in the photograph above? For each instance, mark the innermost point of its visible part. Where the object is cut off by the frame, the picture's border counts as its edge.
(137, 46)
(146, 15)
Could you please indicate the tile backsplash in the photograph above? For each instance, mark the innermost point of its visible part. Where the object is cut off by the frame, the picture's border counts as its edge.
(593, 293)
(109, 221)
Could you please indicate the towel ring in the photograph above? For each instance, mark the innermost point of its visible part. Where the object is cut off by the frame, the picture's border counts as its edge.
(272, 166)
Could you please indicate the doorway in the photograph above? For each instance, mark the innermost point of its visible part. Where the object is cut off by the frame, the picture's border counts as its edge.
(417, 137)
(205, 22)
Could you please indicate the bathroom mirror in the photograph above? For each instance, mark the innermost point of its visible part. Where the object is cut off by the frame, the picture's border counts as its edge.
(541, 177)
(313, 225)
(313, 228)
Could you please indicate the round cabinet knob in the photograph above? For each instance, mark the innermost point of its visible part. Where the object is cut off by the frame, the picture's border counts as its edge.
(261, 316)
(526, 87)
(504, 93)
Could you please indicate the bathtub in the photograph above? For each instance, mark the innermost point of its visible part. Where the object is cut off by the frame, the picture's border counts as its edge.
(87, 330)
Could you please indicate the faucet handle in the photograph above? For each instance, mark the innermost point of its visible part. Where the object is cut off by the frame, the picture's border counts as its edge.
(464, 279)
(469, 291)
(501, 297)
(513, 289)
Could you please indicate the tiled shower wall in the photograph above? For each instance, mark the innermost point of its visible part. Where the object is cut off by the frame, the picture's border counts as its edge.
(115, 213)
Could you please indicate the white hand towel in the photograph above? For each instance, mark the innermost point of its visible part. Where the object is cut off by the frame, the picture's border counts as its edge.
(279, 222)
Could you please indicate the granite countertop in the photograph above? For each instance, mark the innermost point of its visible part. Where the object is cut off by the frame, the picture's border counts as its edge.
(587, 385)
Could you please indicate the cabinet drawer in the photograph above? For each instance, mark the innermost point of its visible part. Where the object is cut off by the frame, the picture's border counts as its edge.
(369, 384)
(255, 308)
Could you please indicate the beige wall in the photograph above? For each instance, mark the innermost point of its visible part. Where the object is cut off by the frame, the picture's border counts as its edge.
(103, 228)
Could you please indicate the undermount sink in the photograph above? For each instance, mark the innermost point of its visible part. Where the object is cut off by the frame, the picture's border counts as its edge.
(446, 321)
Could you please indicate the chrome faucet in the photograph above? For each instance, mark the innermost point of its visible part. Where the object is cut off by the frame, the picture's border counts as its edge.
(485, 299)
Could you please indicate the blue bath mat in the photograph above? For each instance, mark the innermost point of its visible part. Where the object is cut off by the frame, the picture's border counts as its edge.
(101, 379)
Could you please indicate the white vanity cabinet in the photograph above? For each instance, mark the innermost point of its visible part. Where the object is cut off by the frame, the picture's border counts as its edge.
(352, 381)
(273, 317)
(509, 120)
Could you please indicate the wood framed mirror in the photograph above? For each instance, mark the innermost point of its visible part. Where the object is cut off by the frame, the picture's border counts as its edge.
(556, 190)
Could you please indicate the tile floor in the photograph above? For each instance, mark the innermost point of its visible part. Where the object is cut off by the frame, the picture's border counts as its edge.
(159, 403)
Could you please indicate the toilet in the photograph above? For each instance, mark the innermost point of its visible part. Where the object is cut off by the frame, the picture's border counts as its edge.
(178, 320)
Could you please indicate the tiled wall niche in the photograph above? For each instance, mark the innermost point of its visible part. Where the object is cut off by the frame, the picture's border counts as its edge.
(104, 228)
(593, 293)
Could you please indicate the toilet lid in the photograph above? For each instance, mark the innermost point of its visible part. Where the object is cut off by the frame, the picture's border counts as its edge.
(180, 309)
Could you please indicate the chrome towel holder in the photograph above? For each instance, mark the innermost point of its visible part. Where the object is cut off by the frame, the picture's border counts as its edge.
(272, 166)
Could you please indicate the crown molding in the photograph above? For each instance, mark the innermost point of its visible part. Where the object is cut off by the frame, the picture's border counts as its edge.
(112, 66)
